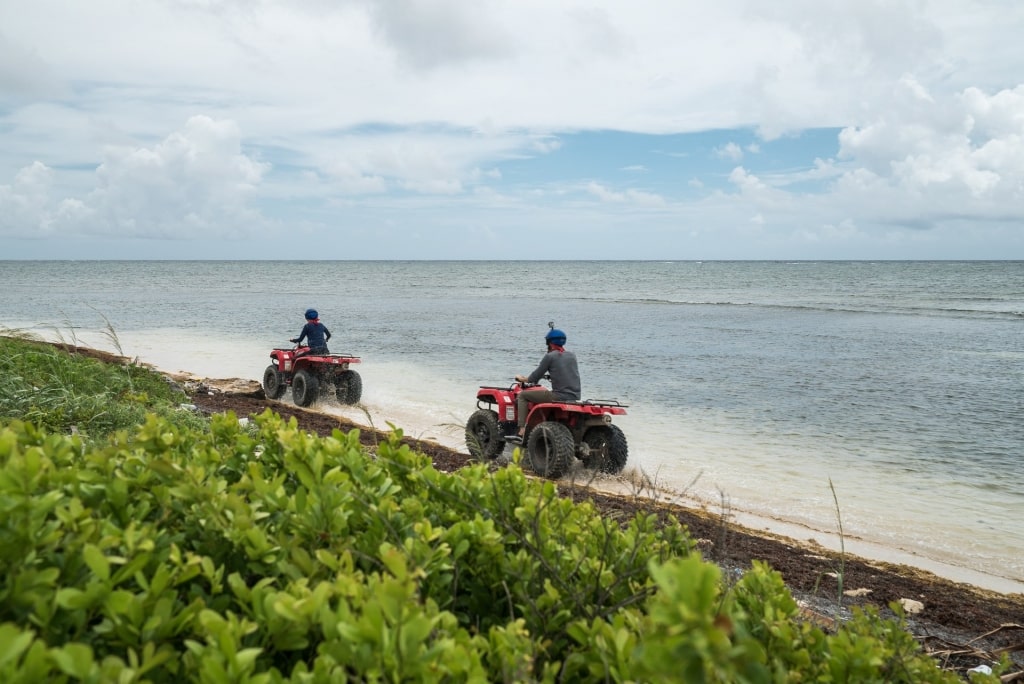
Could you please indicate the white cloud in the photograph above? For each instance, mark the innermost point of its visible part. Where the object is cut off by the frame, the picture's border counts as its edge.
(443, 161)
(398, 106)
(23, 73)
(526, 63)
(545, 144)
(959, 155)
(24, 204)
(194, 183)
(350, 180)
(632, 196)
(730, 151)
(941, 163)
(433, 33)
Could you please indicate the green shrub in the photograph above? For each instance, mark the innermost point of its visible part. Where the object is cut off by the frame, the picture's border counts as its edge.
(168, 554)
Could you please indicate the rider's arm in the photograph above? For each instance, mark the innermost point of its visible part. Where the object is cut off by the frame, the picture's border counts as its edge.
(537, 374)
(327, 334)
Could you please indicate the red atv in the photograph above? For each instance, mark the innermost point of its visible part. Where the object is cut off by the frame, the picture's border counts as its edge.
(556, 433)
(312, 374)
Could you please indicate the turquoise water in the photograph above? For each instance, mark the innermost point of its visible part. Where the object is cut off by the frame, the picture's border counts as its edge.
(750, 384)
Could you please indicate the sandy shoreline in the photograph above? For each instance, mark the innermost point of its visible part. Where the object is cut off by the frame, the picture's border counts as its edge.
(830, 539)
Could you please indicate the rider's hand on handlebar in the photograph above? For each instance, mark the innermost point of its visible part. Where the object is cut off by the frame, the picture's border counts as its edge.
(521, 379)
(294, 340)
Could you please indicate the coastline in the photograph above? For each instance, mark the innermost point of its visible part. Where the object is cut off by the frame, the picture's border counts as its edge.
(447, 433)
(952, 620)
(909, 501)
(815, 538)
(884, 554)
(798, 534)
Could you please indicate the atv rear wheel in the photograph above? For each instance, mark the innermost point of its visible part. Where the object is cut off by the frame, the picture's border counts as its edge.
(305, 388)
(348, 387)
(483, 435)
(605, 449)
(549, 449)
(274, 385)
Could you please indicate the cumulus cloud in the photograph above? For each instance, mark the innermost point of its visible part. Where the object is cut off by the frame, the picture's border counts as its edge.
(958, 155)
(196, 182)
(926, 162)
(25, 204)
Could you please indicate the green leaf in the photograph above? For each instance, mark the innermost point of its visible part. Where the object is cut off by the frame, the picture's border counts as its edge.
(394, 561)
(13, 642)
(73, 659)
(246, 658)
(285, 607)
(96, 561)
(72, 599)
(238, 587)
(327, 558)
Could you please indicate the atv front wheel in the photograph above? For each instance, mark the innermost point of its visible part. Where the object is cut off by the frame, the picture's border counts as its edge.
(274, 385)
(605, 449)
(305, 388)
(549, 449)
(348, 387)
(483, 435)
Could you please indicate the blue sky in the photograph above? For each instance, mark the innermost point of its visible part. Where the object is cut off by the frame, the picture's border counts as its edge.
(511, 129)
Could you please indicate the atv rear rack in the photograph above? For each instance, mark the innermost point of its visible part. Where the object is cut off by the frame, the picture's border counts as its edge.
(603, 402)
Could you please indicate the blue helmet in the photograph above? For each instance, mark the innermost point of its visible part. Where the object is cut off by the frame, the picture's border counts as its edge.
(312, 315)
(555, 336)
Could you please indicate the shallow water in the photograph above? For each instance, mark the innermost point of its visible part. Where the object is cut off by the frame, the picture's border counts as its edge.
(759, 386)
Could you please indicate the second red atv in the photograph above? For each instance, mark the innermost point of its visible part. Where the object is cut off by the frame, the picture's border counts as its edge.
(556, 433)
(311, 375)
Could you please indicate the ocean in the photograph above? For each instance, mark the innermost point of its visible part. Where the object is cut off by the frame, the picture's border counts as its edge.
(883, 397)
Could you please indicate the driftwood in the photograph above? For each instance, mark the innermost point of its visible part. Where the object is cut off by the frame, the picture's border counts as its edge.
(962, 657)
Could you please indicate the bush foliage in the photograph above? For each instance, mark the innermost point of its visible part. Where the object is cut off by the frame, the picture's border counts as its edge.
(264, 554)
(271, 555)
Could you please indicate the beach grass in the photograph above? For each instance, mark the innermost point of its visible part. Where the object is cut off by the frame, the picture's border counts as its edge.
(68, 393)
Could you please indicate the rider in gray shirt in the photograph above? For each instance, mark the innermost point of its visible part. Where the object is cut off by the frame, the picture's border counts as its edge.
(561, 366)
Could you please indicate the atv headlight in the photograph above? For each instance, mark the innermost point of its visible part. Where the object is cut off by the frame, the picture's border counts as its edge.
(510, 413)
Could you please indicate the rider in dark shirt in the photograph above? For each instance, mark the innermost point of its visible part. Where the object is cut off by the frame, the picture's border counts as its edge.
(560, 365)
(315, 332)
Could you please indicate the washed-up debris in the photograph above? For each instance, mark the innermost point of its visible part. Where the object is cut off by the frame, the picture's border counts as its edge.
(911, 606)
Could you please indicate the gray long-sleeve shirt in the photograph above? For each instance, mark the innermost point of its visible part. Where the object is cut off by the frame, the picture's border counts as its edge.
(565, 375)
